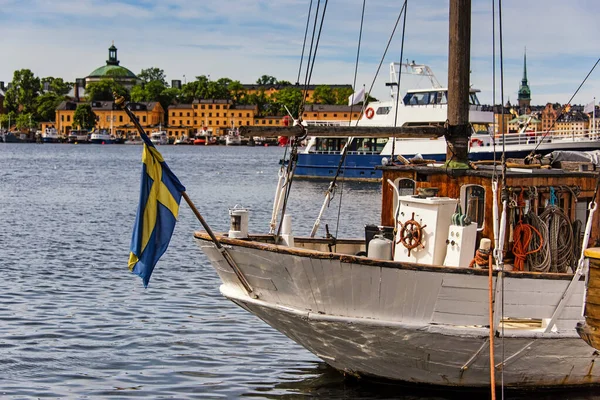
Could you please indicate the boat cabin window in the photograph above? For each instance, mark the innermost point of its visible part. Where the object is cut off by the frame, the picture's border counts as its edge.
(472, 201)
(368, 145)
(383, 110)
(425, 98)
(330, 144)
(473, 99)
(405, 186)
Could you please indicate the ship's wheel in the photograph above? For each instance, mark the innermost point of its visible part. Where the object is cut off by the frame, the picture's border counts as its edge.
(411, 234)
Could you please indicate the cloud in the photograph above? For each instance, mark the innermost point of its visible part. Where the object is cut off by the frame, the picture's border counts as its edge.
(244, 39)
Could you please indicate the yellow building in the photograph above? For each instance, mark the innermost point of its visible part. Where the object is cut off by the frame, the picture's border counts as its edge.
(212, 115)
(270, 90)
(108, 117)
(327, 112)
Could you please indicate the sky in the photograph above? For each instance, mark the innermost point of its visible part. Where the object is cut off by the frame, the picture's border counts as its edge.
(245, 39)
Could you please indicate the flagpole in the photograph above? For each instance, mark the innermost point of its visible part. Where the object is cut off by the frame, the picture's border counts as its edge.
(120, 102)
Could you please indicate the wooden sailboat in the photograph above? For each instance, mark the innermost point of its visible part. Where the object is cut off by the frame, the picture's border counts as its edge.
(427, 307)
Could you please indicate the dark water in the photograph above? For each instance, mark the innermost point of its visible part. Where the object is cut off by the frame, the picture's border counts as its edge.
(74, 323)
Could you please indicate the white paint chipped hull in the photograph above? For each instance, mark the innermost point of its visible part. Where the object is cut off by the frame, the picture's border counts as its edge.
(398, 321)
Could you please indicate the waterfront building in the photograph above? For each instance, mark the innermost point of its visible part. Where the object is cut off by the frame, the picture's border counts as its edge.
(215, 116)
(112, 70)
(109, 117)
(330, 112)
(270, 90)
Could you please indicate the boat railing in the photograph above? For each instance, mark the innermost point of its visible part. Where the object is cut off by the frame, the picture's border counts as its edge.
(550, 137)
(327, 123)
(334, 152)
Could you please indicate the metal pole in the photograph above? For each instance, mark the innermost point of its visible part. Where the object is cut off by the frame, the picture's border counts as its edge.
(120, 101)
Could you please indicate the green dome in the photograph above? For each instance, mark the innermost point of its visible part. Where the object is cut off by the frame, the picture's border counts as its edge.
(112, 71)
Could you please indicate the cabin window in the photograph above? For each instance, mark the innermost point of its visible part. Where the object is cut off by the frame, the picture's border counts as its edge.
(405, 186)
(472, 200)
(383, 110)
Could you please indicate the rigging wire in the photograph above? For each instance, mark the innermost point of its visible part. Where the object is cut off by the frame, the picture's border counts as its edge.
(386, 49)
(291, 167)
(503, 161)
(304, 42)
(311, 63)
(562, 111)
(342, 163)
(405, 6)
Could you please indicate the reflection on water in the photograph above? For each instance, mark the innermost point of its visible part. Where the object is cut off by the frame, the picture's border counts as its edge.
(75, 323)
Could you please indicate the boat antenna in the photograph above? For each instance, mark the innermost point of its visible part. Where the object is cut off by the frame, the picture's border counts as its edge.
(405, 7)
(563, 110)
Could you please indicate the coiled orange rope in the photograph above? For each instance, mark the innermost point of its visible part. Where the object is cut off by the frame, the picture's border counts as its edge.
(522, 236)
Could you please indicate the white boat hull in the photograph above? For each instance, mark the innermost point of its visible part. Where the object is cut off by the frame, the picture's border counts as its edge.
(402, 322)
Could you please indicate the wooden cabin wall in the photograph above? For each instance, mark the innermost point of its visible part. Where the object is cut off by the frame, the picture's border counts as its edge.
(449, 186)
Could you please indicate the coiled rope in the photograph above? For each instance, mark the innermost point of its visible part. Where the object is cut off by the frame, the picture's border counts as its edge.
(560, 237)
(538, 261)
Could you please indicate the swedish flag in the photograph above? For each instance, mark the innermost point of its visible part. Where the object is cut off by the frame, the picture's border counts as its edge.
(160, 195)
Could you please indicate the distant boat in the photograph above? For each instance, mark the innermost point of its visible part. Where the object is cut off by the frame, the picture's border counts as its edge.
(233, 138)
(50, 135)
(102, 137)
(134, 140)
(159, 137)
(78, 136)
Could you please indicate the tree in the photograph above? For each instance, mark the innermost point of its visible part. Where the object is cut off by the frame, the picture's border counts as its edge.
(56, 85)
(284, 83)
(290, 97)
(138, 93)
(23, 92)
(46, 106)
(261, 101)
(266, 80)
(84, 116)
(7, 119)
(25, 121)
(153, 74)
(324, 94)
(236, 91)
(342, 95)
(103, 90)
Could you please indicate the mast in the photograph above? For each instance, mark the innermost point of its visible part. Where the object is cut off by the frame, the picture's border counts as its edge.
(458, 84)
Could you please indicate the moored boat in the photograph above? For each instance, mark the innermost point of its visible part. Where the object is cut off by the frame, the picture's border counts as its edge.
(102, 137)
(50, 135)
(78, 136)
(159, 137)
(475, 276)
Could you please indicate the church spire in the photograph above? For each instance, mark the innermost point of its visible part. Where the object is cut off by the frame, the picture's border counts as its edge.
(524, 82)
(524, 91)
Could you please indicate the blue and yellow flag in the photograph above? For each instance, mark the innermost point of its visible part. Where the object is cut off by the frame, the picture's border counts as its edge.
(160, 194)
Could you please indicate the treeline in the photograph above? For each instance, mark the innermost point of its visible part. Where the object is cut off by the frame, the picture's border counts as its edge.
(30, 99)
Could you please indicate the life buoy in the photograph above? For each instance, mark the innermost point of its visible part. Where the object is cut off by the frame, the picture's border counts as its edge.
(476, 142)
(369, 112)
